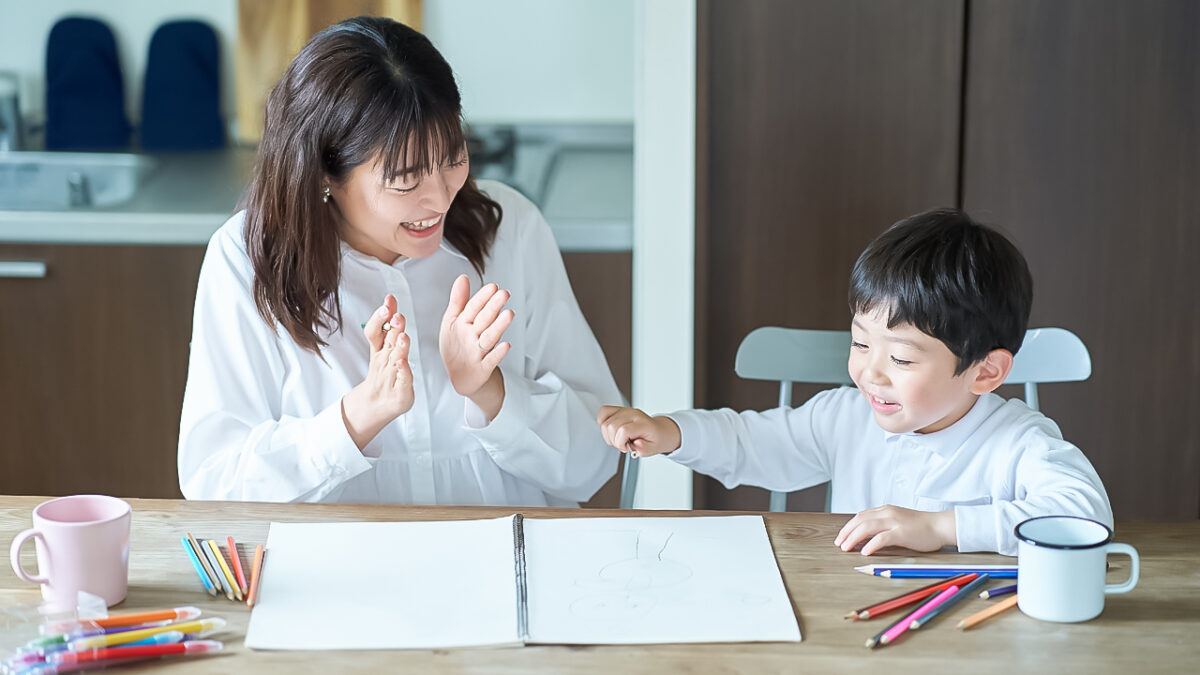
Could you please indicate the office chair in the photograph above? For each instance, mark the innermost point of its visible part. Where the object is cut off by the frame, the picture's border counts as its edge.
(819, 357)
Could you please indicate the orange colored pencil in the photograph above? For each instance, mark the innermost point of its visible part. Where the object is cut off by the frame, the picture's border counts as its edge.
(987, 613)
(237, 564)
(909, 598)
(255, 575)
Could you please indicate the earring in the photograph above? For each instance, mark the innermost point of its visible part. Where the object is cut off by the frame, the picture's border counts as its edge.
(325, 195)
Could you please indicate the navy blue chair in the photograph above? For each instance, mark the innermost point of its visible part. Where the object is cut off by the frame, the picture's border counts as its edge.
(181, 100)
(85, 91)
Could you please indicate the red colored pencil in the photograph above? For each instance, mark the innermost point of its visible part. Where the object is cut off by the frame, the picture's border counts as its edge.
(237, 565)
(909, 598)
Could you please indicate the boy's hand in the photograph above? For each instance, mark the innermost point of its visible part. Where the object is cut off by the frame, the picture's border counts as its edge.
(895, 526)
(631, 430)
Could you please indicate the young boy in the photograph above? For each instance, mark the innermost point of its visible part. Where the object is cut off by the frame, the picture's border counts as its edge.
(922, 450)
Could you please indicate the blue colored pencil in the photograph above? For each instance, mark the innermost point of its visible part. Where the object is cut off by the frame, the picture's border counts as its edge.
(999, 590)
(945, 573)
(199, 570)
(951, 601)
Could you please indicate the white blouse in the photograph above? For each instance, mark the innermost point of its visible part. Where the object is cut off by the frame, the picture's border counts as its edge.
(262, 417)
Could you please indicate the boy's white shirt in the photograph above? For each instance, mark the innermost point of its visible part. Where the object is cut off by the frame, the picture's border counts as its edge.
(998, 465)
(262, 417)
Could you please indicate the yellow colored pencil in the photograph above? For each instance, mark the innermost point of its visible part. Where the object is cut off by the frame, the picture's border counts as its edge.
(988, 613)
(112, 639)
(255, 575)
(237, 591)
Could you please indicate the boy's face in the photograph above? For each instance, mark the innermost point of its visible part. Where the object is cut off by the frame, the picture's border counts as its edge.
(907, 376)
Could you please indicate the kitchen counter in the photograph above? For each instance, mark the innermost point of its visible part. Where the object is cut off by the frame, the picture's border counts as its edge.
(588, 201)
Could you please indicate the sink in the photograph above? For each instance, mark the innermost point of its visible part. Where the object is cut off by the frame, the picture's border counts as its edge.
(52, 181)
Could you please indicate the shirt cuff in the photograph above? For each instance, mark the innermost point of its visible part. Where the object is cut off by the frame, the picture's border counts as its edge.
(341, 456)
(975, 527)
(690, 433)
(512, 420)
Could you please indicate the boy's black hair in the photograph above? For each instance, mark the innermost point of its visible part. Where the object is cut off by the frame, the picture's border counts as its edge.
(961, 282)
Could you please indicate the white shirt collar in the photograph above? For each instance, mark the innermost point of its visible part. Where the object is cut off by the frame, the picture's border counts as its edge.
(348, 250)
(946, 441)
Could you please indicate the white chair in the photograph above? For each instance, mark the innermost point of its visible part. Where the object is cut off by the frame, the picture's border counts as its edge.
(819, 357)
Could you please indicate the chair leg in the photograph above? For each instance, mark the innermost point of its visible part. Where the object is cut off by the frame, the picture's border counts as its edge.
(778, 502)
(628, 481)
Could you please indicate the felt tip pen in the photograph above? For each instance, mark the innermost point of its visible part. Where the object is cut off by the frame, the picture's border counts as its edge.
(386, 325)
(125, 620)
(201, 627)
(107, 653)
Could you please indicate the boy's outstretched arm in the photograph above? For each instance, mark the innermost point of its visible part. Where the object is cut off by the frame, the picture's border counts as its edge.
(631, 430)
(895, 526)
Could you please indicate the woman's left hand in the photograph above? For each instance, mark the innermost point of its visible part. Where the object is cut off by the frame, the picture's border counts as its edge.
(470, 343)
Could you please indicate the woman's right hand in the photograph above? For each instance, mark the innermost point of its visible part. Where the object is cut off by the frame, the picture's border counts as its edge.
(387, 392)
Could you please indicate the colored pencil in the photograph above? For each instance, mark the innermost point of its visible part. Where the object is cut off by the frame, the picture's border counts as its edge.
(208, 587)
(205, 562)
(237, 592)
(950, 602)
(999, 590)
(201, 626)
(896, 631)
(212, 562)
(944, 573)
(962, 569)
(255, 575)
(988, 613)
(873, 642)
(237, 565)
(909, 598)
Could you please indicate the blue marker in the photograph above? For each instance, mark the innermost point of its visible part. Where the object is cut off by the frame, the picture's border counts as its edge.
(199, 570)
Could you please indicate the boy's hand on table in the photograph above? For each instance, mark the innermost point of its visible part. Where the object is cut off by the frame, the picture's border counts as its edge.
(895, 526)
(631, 430)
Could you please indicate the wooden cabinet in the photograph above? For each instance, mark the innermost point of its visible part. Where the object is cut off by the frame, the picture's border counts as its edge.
(93, 361)
(1072, 125)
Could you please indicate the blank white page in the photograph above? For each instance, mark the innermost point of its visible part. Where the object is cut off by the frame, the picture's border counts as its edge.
(655, 580)
(386, 586)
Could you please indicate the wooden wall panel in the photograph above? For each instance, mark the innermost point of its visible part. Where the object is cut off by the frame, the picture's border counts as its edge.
(1083, 141)
(603, 285)
(821, 123)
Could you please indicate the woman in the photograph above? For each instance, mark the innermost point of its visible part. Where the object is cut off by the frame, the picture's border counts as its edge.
(363, 212)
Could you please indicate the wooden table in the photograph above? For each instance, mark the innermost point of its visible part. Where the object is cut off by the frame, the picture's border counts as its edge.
(1154, 628)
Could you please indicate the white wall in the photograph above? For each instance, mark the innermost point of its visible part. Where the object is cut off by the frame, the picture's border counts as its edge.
(664, 199)
(538, 60)
(25, 25)
(516, 60)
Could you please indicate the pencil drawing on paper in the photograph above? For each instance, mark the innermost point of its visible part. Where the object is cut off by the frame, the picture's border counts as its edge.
(626, 588)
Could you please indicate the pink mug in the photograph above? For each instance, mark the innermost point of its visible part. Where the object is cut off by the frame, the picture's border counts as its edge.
(82, 544)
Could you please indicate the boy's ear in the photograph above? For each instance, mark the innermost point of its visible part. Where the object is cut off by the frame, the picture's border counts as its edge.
(991, 371)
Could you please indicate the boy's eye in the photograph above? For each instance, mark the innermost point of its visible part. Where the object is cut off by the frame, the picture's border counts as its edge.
(403, 190)
(857, 345)
(900, 362)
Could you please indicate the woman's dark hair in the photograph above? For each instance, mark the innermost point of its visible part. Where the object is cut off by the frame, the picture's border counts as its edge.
(961, 282)
(361, 89)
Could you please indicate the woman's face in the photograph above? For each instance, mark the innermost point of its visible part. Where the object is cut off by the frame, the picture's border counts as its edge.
(404, 216)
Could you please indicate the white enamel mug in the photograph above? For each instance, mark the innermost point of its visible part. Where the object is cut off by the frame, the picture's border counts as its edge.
(1061, 561)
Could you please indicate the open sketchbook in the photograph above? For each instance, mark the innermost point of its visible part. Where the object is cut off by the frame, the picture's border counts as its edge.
(515, 580)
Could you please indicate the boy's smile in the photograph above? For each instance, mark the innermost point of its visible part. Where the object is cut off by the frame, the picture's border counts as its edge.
(907, 376)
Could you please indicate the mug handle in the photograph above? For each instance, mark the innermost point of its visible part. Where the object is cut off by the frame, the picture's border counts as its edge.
(1133, 572)
(14, 556)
